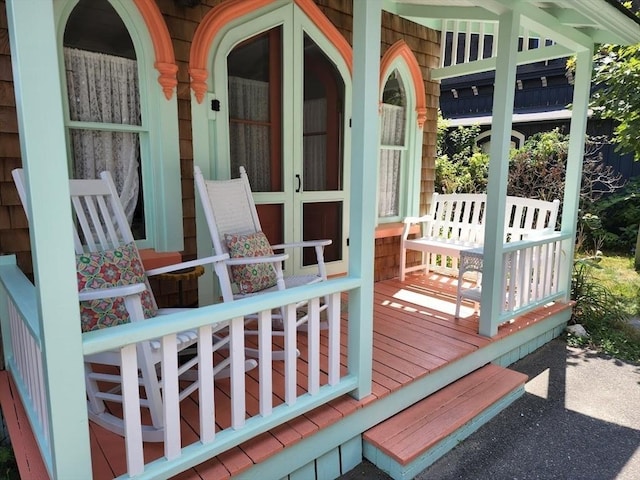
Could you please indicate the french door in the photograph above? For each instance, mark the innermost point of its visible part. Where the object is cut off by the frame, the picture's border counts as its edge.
(285, 123)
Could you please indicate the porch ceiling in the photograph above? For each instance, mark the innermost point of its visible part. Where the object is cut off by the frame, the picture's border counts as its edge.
(602, 21)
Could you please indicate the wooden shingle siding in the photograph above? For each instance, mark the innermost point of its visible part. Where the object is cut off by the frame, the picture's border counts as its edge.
(182, 23)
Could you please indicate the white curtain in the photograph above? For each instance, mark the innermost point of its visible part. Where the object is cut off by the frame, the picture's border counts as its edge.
(104, 88)
(315, 144)
(250, 142)
(392, 133)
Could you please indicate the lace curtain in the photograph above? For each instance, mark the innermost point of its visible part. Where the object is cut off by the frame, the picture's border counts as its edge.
(104, 88)
(250, 142)
(392, 133)
(315, 144)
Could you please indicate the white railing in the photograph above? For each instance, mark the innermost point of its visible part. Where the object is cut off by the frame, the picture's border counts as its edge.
(466, 41)
(531, 274)
(238, 419)
(21, 334)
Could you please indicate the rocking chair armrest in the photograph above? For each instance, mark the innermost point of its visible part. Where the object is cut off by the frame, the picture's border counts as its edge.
(306, 243)
(250, 260)
(110, 292)
(191, 263)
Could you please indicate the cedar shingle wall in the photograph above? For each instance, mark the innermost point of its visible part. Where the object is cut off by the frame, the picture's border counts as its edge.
(182, 23)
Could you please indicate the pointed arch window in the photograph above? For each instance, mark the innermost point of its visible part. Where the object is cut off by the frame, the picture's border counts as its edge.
(120, 116)
(402, 115)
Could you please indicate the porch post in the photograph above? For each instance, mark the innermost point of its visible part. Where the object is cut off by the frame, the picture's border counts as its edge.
(503, 97)
(36, 74)
(367, 17)
(577, 132)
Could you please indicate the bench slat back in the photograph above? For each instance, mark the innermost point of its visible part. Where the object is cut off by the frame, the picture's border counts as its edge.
(460, 216)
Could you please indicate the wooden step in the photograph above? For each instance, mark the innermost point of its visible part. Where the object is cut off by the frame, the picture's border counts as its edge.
(410, 441)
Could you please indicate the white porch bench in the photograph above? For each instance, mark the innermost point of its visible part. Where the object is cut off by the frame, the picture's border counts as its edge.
(455, 223)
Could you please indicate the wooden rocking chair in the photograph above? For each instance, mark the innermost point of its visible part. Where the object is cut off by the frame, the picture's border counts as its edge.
(235, 230)
(104, 242)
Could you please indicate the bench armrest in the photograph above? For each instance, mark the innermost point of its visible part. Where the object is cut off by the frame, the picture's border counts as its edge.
(410, 221)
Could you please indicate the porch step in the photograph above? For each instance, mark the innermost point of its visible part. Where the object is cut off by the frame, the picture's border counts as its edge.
(410, 441)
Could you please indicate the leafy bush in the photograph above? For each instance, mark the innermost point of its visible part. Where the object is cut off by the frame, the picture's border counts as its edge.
(603, 304)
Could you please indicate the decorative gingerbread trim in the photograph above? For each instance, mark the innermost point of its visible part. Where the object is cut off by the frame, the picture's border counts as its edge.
(162, 45)
(401, 49)
(226, 12)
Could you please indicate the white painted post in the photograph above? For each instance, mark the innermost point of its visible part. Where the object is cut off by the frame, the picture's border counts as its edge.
(36, 74)
(367, 15)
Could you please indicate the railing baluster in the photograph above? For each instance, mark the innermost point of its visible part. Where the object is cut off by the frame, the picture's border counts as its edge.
(290, 370)
(131, 410)
(333, 319)
(170, 397)
(236, 347)
(265, 363)
(313, 337)
(206, 382)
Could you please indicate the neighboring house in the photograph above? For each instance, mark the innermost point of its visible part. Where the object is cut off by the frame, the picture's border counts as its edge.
(332, 107)
(544, 92)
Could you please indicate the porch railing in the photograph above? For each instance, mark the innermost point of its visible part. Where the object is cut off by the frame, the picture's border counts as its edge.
(322, 381)
(532, 273)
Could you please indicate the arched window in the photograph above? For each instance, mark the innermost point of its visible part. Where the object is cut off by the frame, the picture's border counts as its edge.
(402, 114)
(393, 146)
(113, 104)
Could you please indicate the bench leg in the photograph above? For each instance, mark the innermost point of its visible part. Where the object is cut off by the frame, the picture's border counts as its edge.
(403, 263)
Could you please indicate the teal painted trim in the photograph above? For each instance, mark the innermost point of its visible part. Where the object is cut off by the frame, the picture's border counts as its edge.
(362, 419)
(328, 465)
(197, 452)
(492, 276)
(308, 472)
(571, 200)
(402, 472)
(350, 454)
(34, 57)
(364, 180)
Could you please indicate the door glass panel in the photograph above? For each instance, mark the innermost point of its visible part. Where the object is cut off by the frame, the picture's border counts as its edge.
(322, 220)
(255, 93)
(323, 114)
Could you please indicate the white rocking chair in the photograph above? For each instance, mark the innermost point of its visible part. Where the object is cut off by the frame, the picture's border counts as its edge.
(102, 237)
(232, 218)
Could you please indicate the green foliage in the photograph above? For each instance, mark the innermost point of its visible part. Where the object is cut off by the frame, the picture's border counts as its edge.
(617, 93)
(603, 303)
(620, 217)
(460, 167)
(8, 466)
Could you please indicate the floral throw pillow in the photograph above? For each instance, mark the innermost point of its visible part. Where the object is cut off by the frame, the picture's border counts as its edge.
(254, 277)
(118, 267)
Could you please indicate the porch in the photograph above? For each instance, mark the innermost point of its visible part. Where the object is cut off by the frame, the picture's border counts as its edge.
(418, 348)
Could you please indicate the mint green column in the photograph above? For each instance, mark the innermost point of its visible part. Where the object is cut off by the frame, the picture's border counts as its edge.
(577, 135)
(36, 75)
(364, 180)
(504, 93)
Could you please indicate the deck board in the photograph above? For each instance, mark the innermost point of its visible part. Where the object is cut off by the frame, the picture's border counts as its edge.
(414, 334)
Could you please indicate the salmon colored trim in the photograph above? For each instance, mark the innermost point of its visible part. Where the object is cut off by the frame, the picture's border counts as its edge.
(329, 30)
(226, 12)
(163, 47)
(401, 49)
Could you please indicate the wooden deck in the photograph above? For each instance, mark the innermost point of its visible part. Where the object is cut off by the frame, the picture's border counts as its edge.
(415, 334)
